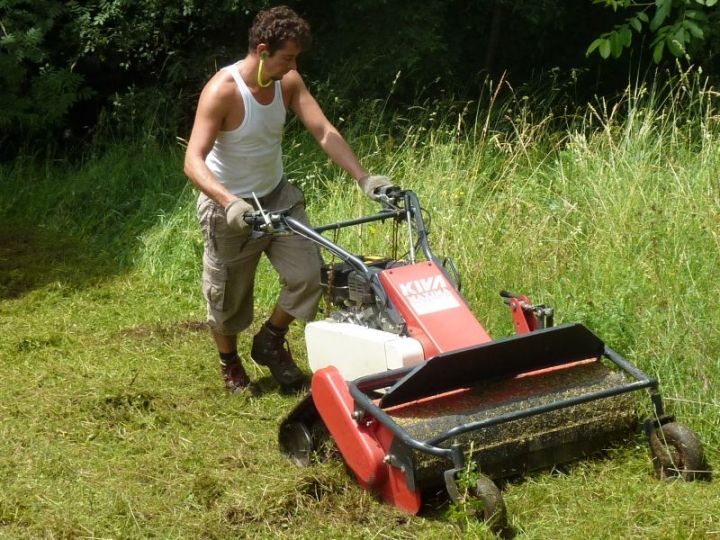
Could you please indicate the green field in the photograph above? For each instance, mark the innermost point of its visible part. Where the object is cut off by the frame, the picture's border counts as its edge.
(114, 420)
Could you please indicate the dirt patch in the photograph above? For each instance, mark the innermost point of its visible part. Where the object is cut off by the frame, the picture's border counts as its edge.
(138, 401)
(168, 331)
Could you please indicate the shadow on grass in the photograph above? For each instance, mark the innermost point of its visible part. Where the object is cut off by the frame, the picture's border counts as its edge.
(90, 221)
(32, 258)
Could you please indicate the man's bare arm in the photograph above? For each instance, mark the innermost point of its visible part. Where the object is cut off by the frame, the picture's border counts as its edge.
(213, 107)
(303, 104)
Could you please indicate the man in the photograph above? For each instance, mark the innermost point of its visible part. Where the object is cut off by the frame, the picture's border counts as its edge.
(234, 153)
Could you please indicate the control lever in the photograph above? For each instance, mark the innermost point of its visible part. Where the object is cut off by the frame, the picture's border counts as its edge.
(388, 195)
(268, 227)
(270, 222)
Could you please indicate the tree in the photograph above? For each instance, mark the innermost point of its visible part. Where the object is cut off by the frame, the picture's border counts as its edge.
(77, 70)
(38, 83)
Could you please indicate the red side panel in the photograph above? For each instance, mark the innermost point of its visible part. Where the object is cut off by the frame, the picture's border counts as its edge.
(435, 313)
(360, 443)
(356, 442)
(395, 490)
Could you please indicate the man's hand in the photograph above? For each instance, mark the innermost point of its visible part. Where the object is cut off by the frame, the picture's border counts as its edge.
(235, 214)
(370, 183)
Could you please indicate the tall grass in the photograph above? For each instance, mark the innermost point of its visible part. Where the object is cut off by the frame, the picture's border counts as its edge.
(114, 422)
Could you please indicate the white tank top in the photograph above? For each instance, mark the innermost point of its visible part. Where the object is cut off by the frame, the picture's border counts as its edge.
(248, 159)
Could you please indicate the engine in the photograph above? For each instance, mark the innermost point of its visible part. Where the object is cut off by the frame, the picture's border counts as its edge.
(349, 297)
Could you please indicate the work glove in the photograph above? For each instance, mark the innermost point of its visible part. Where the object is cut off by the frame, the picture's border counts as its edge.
(370, 183)
(235, 215)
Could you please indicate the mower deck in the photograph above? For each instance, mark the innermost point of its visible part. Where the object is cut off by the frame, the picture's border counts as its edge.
(536, 442)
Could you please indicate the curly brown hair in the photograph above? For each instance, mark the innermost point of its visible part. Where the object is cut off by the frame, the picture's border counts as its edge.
(278, 25)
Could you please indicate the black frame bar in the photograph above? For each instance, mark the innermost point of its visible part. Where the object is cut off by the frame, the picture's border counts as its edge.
(363, 403)
(382, 216)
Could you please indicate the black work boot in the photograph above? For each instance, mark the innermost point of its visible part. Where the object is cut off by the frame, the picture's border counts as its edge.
(233, 373)
(270, 349)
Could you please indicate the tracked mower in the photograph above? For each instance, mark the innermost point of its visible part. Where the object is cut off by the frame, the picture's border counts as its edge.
(412, 390)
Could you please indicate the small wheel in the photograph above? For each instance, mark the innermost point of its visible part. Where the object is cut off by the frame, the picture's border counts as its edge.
(484, 500)
(677, 452)
(296, 442)
(493, 510)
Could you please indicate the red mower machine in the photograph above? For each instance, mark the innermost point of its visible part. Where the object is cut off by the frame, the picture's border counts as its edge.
(412, 389)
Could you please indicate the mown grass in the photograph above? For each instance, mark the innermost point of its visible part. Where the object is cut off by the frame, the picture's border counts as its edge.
(114, 422)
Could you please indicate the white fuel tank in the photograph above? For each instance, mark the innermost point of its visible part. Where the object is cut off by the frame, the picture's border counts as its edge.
(357, 351)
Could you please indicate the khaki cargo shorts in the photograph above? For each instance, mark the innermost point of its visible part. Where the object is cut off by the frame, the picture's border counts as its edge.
(230, 261)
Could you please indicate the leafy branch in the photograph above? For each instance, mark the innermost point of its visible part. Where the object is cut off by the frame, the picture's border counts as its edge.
(679, 27)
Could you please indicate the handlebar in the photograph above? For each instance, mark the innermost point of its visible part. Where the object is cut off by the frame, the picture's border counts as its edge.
(274, 222)
(398, 204)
